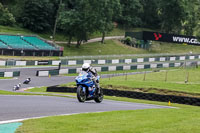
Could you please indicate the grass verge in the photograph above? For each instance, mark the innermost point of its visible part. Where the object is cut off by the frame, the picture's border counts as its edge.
(2, 92)
(183, 119)
(5, 77)
(168, 80)
(111, 47)
(59, 35)
(37, 91)
(43, 90)
(115, 47)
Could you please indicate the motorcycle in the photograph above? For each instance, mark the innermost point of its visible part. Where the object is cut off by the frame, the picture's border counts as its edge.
(27, 81)
(16, 87)
(86, 89)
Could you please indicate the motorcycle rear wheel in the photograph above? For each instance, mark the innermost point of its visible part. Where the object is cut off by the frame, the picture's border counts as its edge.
(81, 95)
(99, 97)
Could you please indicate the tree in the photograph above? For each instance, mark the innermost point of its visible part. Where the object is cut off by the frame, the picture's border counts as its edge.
(5, 2)
(150, 14)
(192, 8)
(38, 15)
(6, 18)
(172, 14)
(56, 19)
(131, 13)
(104, 12)
(76, 20)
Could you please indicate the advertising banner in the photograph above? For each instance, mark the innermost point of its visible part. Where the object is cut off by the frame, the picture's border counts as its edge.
(163, 37)
(43, 62)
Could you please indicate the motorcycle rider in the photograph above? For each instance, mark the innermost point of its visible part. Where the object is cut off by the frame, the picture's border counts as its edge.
(89, 69)
(17, 87)
(27, 81)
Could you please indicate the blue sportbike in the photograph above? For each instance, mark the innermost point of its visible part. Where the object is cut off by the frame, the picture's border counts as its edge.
(86, 89)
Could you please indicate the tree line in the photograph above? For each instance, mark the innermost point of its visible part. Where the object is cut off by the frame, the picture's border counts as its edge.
(80, 18)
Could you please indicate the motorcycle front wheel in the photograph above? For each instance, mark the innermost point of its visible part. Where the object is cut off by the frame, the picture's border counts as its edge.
(81, 95)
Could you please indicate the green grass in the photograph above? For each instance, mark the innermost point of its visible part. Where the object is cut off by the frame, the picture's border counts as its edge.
(14, 30)
(175, 81)
(115, 32)
(161, 47)
(43, 90)
(11, 93)
(22, 31)
(5, 77)
(154, 82)
(36, 89)
(111, 47)
(59, 36)
(114, 47)
(183, 119)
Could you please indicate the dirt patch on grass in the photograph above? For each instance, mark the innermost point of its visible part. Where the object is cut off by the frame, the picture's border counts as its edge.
(153, 90)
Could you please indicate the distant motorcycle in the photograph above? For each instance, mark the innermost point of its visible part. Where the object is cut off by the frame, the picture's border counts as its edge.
(27, 81)
(86, 89)
(16, 87)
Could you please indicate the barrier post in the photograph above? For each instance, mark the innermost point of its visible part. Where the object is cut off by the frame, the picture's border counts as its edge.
(144, 76)
(187, 77)
(166, 74)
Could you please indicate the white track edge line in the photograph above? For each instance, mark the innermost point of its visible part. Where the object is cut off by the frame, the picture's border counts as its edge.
(20, 120)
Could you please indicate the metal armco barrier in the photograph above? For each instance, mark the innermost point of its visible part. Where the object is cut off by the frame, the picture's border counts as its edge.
(136, 95)
(164, 58)
(10, 74)
(117, 68)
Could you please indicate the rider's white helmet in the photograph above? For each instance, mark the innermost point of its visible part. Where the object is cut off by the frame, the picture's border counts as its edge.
(85, 66)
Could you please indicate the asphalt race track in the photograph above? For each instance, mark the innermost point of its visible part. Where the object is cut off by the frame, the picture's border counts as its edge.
(8, 84)
(22, 107)
(35, 81)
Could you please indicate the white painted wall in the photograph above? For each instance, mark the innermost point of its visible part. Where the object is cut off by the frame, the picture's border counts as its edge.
(63, 71)
(8, 74)
(172, 58)
(153, 65)
(87, 61)
(43, 73)
(162, 58)
(56, 63)
(140, 66)
(182, 57)
(140, 60)
(2, 63)
(101, 61)
(128, 61)
(20, 63)
(112, 68)
(115, 61)
(165, 65)
(126, 67)
(151, 59)
(72, 62)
